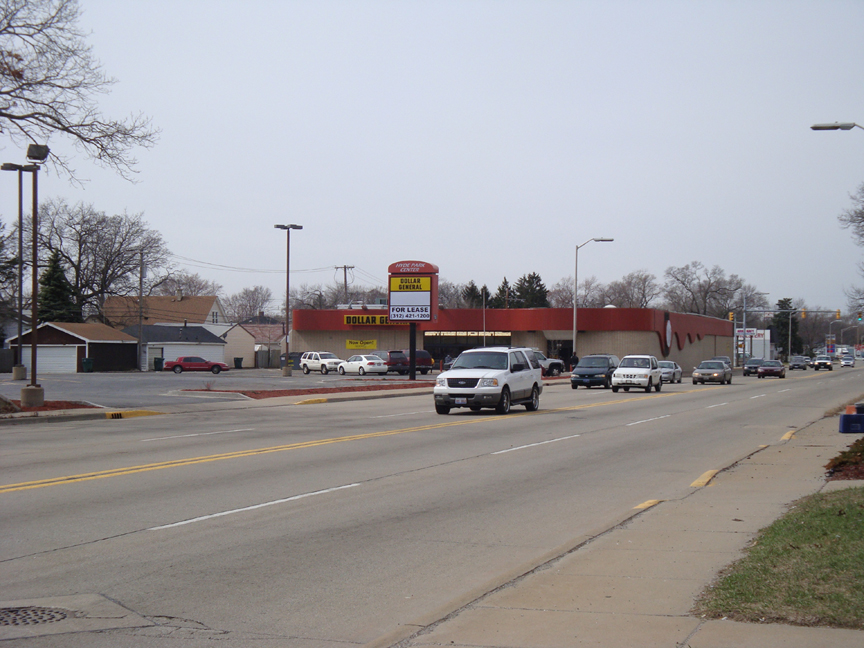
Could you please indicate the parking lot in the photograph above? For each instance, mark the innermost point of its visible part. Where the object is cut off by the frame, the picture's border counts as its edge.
(151, 389)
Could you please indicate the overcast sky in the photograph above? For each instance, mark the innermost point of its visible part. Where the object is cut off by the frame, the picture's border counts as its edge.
(487, 137)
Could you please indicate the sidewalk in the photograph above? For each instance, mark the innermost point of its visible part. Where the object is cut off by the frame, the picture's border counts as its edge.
(634, 585)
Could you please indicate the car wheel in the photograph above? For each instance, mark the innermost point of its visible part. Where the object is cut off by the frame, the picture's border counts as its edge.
(679, 379)
(783, 375)
(649, 386)
(534, 404)
(503, 406)
(216, 370)
(474, 408)
(341, 370)
(627, 389)
(178, 369)
(694, 382)
(615, 389)
(442, 409)
(403, 372)
(574, 386)
(324, 370)
(306, 369)
(423, 371)
(830, 368)
(361, 371)
(554, 371)
(658, 386)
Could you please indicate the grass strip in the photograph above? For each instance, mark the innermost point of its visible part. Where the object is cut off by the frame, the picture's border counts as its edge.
(805, 569)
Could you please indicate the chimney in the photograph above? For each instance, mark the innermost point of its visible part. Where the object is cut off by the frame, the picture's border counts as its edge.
(178, 294)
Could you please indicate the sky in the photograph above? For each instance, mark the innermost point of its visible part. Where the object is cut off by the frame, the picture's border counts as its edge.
(487, 137)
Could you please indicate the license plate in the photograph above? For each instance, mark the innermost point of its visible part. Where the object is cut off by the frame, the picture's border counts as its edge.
(461, 401)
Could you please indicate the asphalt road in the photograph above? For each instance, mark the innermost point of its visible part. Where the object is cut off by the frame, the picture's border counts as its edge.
(321, 525)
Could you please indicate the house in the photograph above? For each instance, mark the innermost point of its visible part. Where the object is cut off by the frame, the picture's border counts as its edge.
(269, 343)
(170, 342)
(239, 343)
(61, 346)
(122, 312)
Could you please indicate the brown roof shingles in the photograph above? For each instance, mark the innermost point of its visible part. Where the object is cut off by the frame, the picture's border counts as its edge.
(158, 309)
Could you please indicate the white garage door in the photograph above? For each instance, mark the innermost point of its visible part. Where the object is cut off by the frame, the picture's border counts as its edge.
(53, 359)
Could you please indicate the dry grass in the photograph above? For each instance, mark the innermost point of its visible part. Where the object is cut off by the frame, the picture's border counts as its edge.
(805, 569)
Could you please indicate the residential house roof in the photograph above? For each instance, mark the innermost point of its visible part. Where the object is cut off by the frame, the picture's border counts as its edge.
(162, 309)
(266, 333)
(84, 332)
(155, 333)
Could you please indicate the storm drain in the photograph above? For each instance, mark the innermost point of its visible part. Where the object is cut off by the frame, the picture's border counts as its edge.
(29, 616)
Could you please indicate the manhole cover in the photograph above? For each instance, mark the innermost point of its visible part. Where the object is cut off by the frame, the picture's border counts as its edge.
(27, 616)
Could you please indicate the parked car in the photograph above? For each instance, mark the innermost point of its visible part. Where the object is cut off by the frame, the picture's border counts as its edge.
(551, 366)
(193, 363)
(423, 361)
(637, 371)
(496, 377)
(712, 371)
(322, 361)
(395, 360)
(847, 361)
(798, 362)
(670, 371)
(595, 369)
(772, 368)
(823, 362)
(752, 365)
(362, 364)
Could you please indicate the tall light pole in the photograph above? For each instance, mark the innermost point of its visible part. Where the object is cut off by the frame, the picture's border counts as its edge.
(19, 371)
(286, 370)
(576, 284)
(33, 395)
(836, 126)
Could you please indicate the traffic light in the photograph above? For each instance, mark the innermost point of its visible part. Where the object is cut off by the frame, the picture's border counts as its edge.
(804, 314)
(859, 316)
(731, 316)
(838, 313)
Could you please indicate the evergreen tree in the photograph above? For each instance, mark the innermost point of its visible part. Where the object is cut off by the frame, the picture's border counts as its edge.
(472, 296)
(501, 299)
(529, 292)
(56, 301)
(781, 325)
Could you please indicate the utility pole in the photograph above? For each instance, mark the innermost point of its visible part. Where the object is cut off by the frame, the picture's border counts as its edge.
(345, 270)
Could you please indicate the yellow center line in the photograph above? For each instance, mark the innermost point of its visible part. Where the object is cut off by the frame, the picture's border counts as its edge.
(177, 463)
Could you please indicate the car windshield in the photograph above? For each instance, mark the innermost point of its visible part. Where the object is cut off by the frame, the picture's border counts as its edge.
(755, 361)
(711, 365)
(641, 363)
(481, 360)
(329, 356)
(593, 362)
(823, 358)
(665, 364)
(772, 363)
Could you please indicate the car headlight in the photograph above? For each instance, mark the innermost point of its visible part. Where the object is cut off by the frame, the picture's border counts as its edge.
(440, 382)
(488, 382)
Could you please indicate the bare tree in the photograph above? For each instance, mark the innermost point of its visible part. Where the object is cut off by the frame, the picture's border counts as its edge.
(561, 293)
(695, 288)
(450, 294)
(102, 253)
(592, 293)
(188, 284)
(48, 81)
(247, 303)
(635, 290)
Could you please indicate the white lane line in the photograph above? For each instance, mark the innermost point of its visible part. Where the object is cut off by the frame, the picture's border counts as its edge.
(532, 445)
(784, 390)
(250, 508)
(759, 396)
(183, 436)
(405, 414)
(656, 418)
(717, 405)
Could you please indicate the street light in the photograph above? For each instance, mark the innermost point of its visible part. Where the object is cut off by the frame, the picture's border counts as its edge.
(836, 126)
(576, 283)
(32, 395)
(286, 370)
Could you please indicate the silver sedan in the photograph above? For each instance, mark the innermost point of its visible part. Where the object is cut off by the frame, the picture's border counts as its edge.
(712, 371)
(670, 371)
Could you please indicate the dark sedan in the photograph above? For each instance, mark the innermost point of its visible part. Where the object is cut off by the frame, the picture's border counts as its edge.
(771, 368)
(753, 365)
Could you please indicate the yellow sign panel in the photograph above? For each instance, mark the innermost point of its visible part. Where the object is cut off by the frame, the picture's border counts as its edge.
(361, 344)
(408, 284)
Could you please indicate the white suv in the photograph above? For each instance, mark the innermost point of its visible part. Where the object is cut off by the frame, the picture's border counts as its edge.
(322, 361)
(637, 371)
(490, 377)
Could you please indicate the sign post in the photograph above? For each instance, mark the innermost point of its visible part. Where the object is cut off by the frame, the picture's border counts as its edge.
(412, 297)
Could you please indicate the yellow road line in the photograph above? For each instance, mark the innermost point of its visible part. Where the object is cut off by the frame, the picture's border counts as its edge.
(648, 504)
(704, 479)
(177, 463)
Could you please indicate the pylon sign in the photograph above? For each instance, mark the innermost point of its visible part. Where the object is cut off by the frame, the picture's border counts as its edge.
(413, 291)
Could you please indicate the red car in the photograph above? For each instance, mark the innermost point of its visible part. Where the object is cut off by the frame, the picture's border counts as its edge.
(194, 363)
(771, 368)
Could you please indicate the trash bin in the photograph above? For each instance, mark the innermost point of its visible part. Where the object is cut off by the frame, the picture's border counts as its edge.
(158, 363)
(238, 363)
(87, 365)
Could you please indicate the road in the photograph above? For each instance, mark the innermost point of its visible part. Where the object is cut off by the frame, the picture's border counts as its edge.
(321, 525)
